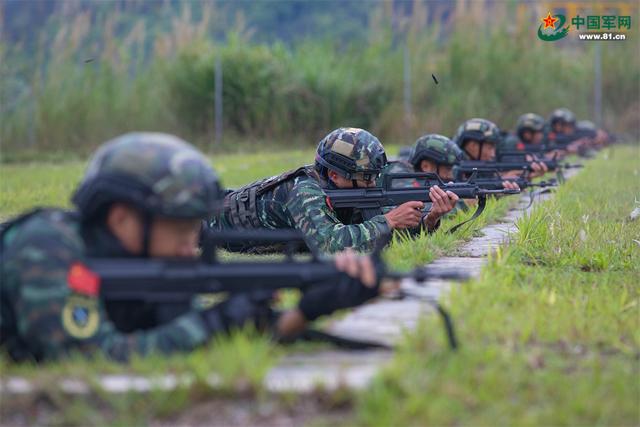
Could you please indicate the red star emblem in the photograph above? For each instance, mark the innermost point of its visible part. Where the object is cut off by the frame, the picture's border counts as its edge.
(549, 21)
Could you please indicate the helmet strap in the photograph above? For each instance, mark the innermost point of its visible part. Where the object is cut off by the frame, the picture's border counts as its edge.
(354, 183)
(480, 153)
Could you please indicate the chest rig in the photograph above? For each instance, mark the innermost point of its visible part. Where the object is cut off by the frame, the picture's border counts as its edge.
(240, 206)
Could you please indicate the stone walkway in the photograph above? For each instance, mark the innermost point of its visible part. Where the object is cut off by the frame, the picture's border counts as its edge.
(384, 321)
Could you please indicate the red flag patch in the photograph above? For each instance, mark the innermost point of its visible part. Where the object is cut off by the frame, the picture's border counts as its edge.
(83, 281)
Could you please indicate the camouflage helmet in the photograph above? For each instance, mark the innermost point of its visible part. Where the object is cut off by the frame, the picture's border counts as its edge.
(480, 130)
(351, 152)
(437, 148)
(529, 122)
(586, 125)
(562, 115)
(158, 173)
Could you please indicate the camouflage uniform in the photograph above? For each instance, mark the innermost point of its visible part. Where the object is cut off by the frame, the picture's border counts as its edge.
(296, 199)
(50, 302)
(509, 142)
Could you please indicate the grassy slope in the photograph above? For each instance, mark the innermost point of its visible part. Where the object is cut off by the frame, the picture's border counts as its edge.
(550, 333)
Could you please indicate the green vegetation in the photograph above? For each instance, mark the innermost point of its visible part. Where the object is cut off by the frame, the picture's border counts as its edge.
(550, 334)
(406, 253)
(84, 86)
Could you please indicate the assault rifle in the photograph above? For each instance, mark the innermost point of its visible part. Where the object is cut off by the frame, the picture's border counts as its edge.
(176, 282)
(530, 149)
(493, 180)
(466, 167)
(371, 200)
(563, 140)
(521, 158)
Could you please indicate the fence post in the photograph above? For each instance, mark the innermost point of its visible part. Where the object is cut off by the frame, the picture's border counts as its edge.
(597, 86)
(218, 100)
(407, 81)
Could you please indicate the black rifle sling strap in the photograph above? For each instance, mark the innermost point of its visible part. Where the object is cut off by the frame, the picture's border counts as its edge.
(315, 335)
(448, 325)
(482, 202)
(532, 195)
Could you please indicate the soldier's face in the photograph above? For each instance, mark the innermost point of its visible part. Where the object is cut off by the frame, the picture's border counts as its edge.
(443, 171)
(537, 137)
(168, 237)
(428, 166)
(472, 147)
(174, 237)
(568, 128)
(532, 137)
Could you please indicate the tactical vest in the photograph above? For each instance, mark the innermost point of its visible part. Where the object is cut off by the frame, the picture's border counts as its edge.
(240, 206)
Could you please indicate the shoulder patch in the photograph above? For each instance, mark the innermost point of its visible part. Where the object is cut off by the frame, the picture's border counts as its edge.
(80, 317)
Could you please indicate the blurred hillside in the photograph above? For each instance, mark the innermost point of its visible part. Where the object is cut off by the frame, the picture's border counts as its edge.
(74, 73)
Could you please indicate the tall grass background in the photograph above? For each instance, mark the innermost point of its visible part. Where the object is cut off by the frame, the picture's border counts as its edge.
(90, 80)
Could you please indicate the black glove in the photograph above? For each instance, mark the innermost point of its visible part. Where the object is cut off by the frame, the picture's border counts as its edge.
(321, 300)
(239, 309)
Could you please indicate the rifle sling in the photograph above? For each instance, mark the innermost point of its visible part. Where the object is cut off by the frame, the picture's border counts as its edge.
(315, 335)
(482, 202)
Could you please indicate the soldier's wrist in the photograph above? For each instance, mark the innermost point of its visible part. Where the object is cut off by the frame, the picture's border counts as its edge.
(390, 221)
(430, 221)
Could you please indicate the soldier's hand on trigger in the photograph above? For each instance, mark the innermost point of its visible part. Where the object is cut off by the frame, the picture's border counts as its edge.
(334, 296)
(356, 266)
(443, 202)
(511, 174)
(510, 185)
(555, 154)
(406, 215)
(539, 169)
(575, 146)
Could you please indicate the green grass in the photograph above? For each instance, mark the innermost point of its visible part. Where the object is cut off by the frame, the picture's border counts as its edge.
(239, 361)
(406, 253)
(24, 186)
(550, 333)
